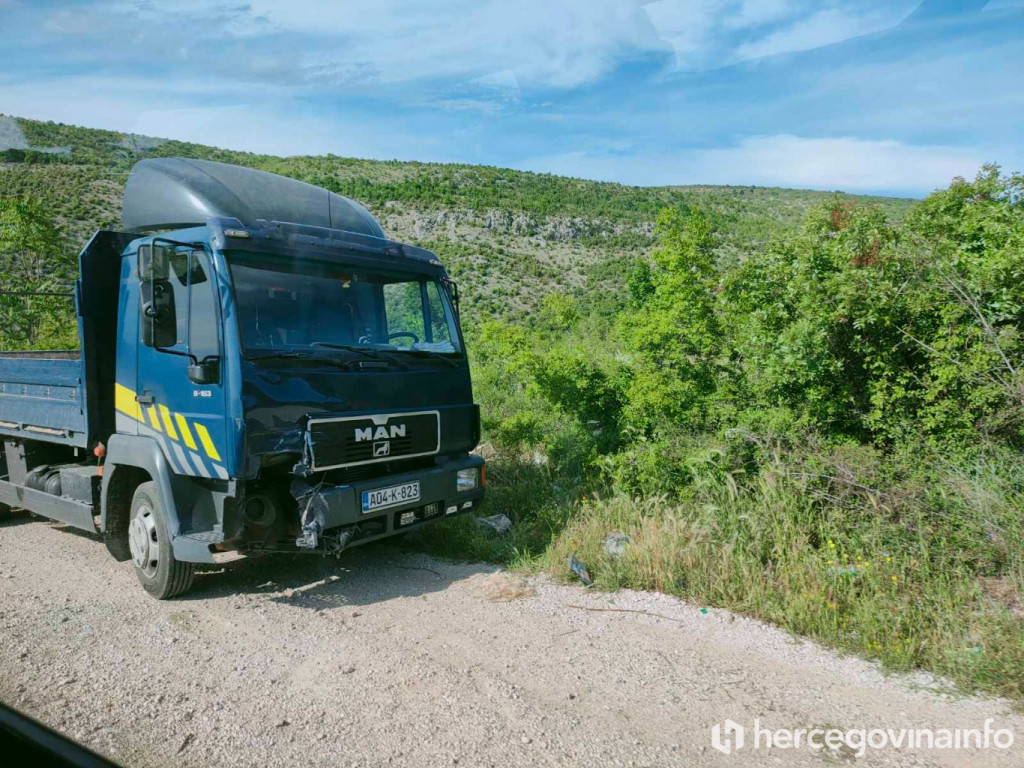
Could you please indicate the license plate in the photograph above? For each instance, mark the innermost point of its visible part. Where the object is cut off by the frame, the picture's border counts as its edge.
(392, 496)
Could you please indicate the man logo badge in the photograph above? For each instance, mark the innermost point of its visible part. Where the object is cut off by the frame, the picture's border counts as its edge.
(380, 433)
(380, 437)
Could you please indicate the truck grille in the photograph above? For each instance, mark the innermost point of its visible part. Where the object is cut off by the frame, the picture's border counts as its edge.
(357, 440)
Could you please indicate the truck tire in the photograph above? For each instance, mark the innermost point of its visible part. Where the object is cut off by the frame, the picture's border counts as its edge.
(150, 543)
(5, 512)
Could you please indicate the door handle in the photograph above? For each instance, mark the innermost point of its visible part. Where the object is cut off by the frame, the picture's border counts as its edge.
(144, 399)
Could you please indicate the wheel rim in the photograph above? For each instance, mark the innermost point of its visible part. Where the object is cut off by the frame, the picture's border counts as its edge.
(143, 541)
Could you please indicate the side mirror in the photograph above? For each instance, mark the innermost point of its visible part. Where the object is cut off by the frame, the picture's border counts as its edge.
(144, 262)
(205, 372)
(154, 262)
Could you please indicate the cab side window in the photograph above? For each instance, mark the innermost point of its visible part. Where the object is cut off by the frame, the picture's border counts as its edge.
(203, 338)
(158, 298)
(178, 280)
(438, 318)
(179, 303)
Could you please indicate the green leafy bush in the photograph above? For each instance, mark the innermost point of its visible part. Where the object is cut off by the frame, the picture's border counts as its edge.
(800, 406)
(825, 433)
(34, 258)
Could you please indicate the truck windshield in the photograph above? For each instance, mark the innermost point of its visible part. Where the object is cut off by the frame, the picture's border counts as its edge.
(288, 303)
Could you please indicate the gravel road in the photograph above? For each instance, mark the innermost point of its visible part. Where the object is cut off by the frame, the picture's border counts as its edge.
(386, 658)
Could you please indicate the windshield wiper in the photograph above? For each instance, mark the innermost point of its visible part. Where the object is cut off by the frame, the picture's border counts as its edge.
(452, 361)
(390, 354)
(296, 355)
(370, 352)
(269, 355)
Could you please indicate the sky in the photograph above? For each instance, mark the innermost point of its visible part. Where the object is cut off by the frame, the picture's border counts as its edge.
(874, 96)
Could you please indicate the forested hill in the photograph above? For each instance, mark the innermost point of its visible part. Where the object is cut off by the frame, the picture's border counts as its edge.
(796, 406)
(508, 236)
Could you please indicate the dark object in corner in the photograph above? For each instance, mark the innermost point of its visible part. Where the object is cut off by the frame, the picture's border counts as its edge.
(42, 747)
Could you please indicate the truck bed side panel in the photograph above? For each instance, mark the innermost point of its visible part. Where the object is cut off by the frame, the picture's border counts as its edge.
(41, 399)
(62, 397)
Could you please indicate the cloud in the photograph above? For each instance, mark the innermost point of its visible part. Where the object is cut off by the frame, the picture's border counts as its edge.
(353, 45)
(715, 33)
(849, 164)
(630, 91)
(348, 45)
(689, 27)
(825, 27)
(504, 80)
(469, 105)
(356, 46)
(559, 44)
(839, 163)
(755, 13)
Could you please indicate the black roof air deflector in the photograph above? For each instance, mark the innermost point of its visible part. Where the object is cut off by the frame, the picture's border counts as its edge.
(176, 192)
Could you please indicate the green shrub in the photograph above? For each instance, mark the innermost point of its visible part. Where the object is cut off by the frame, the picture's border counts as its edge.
(35, 257)
(915, 575)
(819, 424)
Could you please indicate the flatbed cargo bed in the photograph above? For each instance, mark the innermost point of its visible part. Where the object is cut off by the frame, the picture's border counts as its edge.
(66, 396)
(42, 397)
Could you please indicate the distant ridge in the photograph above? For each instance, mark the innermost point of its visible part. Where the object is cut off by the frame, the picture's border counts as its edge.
(509, 237)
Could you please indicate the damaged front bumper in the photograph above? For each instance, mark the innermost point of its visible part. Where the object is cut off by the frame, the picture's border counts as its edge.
(332, 516)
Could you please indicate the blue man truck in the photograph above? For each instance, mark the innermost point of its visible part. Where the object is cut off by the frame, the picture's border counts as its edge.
(260, 369)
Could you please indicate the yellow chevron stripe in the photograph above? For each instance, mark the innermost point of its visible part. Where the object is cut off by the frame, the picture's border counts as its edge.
(124, 401)
(168, 424)
(162, 419)
(186, 433)
(204, 438)
(154, 418)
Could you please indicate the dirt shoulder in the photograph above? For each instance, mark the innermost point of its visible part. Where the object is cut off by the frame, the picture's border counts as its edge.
(389, 658)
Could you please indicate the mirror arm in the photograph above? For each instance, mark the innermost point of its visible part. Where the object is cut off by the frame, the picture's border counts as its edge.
(197, 371)
(192, 358)
(179, 244)
(453, 293)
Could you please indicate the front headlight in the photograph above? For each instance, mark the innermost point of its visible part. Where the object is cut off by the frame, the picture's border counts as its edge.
(467, 479)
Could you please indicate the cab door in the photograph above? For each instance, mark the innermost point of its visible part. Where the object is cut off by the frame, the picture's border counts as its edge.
(179, 387)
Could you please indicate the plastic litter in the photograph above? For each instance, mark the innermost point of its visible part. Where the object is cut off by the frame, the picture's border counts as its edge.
(580, 570)
(615, 544)
(847, 570)
(495, 523)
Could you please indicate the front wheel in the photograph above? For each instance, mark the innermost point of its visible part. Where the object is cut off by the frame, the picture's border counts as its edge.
(150, 543)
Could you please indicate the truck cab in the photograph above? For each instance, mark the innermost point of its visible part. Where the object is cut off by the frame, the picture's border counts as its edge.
(261, 370)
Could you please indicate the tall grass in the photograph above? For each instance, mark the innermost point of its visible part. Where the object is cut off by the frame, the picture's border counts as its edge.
(923, 576)
(535, 498)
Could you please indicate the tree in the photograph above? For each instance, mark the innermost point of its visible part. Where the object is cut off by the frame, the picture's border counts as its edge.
(675, 335)
(34, 257)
